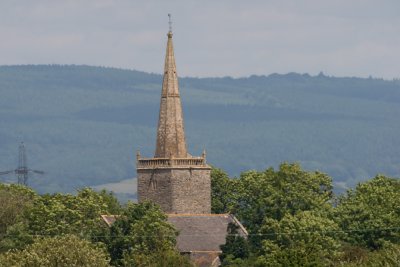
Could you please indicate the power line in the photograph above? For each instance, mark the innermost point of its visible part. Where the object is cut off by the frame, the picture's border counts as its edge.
(394, 229)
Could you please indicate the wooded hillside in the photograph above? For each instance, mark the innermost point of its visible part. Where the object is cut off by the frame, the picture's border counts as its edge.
(82, 125)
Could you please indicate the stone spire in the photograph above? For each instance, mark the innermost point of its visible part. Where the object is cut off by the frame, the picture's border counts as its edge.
(170, 134)
(173, 179)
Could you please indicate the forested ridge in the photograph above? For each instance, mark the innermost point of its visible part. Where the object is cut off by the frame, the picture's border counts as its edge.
(82, 125)
(292, 215)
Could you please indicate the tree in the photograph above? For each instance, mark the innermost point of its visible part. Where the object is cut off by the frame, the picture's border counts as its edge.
(162, 258)
(109, 202)
(370, 214)
(303, 239)
(140, 231)
(388, 255)
(17, 237)
(275, 201)
(14, 201)
(273, 194)
(59, 214)
(235, 247)
(224, 192)
(60, 251)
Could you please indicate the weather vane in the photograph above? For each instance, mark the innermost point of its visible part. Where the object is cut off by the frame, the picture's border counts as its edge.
(170, 22)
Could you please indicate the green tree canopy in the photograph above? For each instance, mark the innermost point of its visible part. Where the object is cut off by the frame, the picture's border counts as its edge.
(273, 194)
(140, 231)
(59, 214)
(60, 251)
(14, 199)
(224, 192)
(287, 200)
(303, 239)
(293, 219)
(370, 213)
(236, 247)
(388, 255)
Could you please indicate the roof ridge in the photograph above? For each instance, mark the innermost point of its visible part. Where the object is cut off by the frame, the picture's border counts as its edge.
(196, 214)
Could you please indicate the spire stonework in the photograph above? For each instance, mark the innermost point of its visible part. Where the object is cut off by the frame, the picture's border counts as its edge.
(170, 134)
(177, 181)
(181, 183)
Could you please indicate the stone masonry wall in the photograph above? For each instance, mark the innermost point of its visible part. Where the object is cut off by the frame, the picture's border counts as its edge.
(191, 191)
(176, 190)
(155, 185)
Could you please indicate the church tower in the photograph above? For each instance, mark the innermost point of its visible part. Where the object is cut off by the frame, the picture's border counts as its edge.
(177, 181)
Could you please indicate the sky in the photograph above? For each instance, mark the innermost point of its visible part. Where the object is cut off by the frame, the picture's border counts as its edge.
(211, 37)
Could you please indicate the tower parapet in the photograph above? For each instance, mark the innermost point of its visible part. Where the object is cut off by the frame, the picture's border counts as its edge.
(198, 162)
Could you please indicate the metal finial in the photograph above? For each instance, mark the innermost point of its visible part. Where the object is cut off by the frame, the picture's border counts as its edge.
(170, 22)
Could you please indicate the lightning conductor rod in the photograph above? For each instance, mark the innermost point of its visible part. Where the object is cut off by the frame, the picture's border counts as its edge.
(170, 22)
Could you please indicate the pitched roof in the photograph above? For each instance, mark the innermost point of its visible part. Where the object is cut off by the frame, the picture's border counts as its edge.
(198, 233)
(203, 232)
(109, 219)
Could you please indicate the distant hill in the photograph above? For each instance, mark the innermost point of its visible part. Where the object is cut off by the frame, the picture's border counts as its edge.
(83, 124)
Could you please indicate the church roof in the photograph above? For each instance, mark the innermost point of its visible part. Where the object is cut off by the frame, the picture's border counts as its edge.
(203, 232)
(109, 219)
(198, 233)
(170, 133)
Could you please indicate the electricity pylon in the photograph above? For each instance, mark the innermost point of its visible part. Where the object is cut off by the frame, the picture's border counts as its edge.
(22, 172)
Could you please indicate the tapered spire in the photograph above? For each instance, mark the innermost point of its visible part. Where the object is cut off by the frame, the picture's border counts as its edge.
(170, 134)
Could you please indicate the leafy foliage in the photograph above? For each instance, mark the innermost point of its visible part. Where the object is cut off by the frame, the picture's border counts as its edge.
(287, 213)
(371, 212)
(292, 216)
(273, 194)
(140, 231)
(224, 192)
(141, 236)
(60, 251)
(68, 214)
(294, 219)
(162, 258)
(236, 247)
(59, 214)
(303, 239)
(14, 200)
(388, 255)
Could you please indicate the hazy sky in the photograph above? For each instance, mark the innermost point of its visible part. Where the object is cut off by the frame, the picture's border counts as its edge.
(211, 38)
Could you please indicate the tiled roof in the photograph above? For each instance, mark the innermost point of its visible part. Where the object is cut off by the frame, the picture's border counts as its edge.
(109, 219)
(198, 233)
(202, 232)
